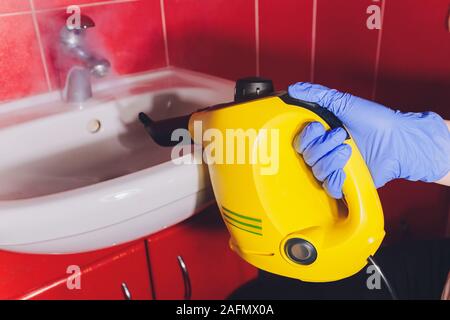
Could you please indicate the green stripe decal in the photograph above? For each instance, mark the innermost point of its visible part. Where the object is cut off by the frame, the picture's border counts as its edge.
(242, 223)
(259, 234)
(240, 215)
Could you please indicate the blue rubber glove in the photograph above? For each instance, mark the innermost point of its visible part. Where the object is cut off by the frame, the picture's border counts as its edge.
(412, 146)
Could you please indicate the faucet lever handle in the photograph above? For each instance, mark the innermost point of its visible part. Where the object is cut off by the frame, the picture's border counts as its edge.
(85, 23)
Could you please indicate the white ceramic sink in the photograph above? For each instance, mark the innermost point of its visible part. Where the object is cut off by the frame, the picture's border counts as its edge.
(77, 179)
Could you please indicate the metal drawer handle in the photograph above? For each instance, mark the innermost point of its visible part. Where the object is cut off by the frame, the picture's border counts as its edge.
(186, 279)
(126, 292)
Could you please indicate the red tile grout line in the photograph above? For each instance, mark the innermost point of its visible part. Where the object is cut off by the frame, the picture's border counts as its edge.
(313, 40)
(378, 52)
(164, 29)
(41, 48)
(17, 13)
(257, 38)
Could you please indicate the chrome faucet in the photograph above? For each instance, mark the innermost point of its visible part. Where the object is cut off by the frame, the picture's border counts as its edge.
(78, 81)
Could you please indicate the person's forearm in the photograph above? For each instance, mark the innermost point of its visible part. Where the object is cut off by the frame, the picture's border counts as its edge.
(445, 180)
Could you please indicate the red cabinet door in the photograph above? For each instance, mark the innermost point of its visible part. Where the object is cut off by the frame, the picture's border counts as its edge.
(193, 260)
(123, 275)
(21, 273)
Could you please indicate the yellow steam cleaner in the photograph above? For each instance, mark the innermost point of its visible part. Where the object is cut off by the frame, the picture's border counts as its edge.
(281, 219)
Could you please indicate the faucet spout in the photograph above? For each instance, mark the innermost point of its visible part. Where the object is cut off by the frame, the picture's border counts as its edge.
(78, 85)
(78, 81)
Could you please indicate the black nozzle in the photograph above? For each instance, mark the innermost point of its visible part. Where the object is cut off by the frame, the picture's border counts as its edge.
(161, 131)
(252, 88)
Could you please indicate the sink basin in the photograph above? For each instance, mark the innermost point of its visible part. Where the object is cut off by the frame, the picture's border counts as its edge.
(79, 178)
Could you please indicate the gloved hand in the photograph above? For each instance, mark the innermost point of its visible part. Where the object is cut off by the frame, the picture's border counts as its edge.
(413, 146)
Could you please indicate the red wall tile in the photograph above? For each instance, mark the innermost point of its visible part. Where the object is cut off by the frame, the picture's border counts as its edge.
(345, 47)
(9, 6)
(128, 34)
(215, 36)
(285, 36)
(415, 56)
(21, 70)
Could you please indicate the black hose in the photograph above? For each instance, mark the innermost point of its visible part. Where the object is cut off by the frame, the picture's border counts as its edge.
(386, 281)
